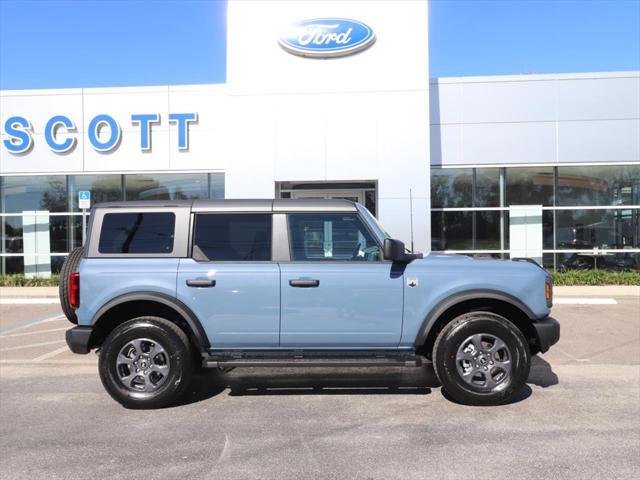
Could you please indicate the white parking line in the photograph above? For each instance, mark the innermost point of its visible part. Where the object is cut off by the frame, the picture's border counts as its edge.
(22, 347)
(51, 354)
(31, 323)
(584, 301)
(34, 333)
(29, 301)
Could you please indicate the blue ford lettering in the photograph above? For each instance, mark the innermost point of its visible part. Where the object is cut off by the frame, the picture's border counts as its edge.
(327, 37)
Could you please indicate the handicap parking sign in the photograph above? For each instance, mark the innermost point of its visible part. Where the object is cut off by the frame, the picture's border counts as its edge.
(84, 199)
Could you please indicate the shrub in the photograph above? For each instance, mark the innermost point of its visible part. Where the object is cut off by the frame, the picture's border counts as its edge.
(22, 281)
(596, 277)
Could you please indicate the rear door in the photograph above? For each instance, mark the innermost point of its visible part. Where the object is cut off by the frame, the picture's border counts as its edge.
(230, 282)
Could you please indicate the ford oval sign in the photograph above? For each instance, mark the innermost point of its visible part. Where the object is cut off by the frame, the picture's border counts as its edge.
(327, 37)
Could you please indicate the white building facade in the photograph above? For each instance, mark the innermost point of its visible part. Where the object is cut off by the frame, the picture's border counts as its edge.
(450, 163)
(540, 166)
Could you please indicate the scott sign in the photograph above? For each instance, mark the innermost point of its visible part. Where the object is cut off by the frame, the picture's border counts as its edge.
(60, 132)
(327, 37)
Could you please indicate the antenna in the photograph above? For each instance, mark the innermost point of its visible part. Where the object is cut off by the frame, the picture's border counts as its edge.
(411, 216)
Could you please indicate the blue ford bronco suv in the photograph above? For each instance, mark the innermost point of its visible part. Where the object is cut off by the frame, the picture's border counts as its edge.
(164, 287)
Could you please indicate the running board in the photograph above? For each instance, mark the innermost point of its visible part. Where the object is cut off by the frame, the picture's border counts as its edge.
(311, 359)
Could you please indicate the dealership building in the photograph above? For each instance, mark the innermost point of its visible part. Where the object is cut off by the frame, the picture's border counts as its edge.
(334, 100)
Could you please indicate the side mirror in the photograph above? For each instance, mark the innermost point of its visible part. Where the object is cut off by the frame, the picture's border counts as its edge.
(394, 250)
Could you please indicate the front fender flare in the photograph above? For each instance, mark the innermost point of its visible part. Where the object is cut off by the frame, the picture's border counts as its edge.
(459, 297)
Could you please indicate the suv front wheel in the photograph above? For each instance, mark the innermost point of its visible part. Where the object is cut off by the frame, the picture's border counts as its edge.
(146, 363)
(481, 359)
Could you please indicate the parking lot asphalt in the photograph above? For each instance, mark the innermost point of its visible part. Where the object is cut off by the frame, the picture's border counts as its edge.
(578, 416)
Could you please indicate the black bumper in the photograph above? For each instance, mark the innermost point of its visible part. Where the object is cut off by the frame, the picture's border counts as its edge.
(78, 339)
(547, 332)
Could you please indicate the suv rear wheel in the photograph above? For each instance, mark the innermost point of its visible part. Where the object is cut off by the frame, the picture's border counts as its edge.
(481, 359)
(146, 363)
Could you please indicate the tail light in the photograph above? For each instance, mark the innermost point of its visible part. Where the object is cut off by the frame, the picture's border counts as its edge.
(74, 290)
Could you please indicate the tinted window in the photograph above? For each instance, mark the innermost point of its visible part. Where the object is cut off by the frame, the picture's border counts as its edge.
(487, 191)
(451, 187)
(530, 186)
(331, 237)
(599, 185)
(37, 192)
(234, 237)
(166, 186)
(137, 233)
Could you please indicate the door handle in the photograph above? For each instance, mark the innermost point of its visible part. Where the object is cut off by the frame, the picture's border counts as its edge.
(304, 283)
(195, 282)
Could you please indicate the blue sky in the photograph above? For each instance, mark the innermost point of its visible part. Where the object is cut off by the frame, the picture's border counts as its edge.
(91, 43)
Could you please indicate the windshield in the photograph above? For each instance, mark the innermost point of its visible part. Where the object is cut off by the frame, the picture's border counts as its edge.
(380, 232)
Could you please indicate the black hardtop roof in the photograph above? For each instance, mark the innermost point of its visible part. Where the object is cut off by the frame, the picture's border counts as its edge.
(266, 205)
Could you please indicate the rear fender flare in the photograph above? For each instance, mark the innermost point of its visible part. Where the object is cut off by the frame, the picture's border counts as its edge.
(200, 337)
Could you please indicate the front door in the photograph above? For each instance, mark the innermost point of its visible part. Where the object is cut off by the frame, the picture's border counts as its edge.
(231, 284)
(337, 292)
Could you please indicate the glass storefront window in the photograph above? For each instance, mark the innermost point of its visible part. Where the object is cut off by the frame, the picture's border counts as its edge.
(598, 185)
(487, 188)
(589, 261)
(451, 187)
(103, 188)
(177, 186)
(529, 186)
(451, 231)
(547, 230)
(15, 235)
(603, 229)
(58, 194)
(12, 234)
(36, 192)
(216, 186)
(487, 227)
(15, 265)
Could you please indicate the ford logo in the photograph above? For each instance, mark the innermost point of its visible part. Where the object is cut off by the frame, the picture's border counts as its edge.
(327, 37)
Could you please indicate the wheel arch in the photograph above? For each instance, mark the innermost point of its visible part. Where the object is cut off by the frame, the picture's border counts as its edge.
(136, 304)
(457, 304)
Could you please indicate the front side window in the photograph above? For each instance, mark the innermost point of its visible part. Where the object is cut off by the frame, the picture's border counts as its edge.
(137, 233)
(331, 237)
(227, 237)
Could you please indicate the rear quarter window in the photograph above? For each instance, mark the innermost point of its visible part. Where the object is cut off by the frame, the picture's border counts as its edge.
(137, 233)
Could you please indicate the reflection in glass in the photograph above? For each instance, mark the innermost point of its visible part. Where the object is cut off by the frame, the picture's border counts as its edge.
(35, 192)
(598, 185)
(601, 260)
(103, 188)
(529, 186)
(177, 186)
(451, 231)
(487, 192)
(487, 228)
(604, 229)
(14, 234)
(451, 187)
(216, 185)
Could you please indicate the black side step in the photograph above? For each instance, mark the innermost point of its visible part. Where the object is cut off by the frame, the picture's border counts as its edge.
(312, 359)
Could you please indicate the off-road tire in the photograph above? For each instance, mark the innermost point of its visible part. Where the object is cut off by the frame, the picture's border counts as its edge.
(69, 266)
(451, 338)
(171, 338)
